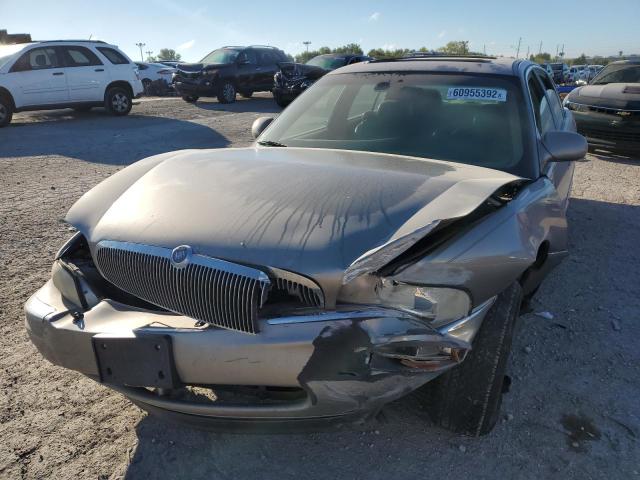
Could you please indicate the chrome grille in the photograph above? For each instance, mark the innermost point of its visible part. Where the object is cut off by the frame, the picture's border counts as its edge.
(208, 289)
(308, 296)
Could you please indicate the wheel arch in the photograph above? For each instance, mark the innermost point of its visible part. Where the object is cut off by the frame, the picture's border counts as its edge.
(119, 83)
(6, 93)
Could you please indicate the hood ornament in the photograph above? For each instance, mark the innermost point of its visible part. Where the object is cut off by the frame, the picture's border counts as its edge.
(181, 255)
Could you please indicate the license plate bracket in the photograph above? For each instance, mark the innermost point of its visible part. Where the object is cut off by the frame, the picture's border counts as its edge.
(139, 361)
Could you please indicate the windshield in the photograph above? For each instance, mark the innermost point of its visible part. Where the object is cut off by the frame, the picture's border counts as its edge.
(621, 73)
(222, 55)
(328, 63)
(7, 51)
(556, 66)
(477, 120)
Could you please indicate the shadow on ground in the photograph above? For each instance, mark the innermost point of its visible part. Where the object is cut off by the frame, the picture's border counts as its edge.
(550, 384)
(263, 104)
(101, 138)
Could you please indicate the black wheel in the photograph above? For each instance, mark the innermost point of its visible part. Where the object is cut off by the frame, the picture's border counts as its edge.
(280, 100)
(467, 398)
(246, 94)
(190, 98)
(146, 84)
(6, 111)
(117, 101)
(227, 92)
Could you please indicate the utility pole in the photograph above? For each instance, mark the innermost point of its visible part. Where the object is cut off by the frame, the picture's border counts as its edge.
(484, 48)
(149, 52)
(562, 52)
(518, 50)
(140, 46)
(557, 48)
(527, 57)
(540, 48)
(307, 43)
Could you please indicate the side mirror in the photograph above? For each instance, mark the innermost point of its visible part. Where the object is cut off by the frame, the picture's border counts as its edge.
(564, 146)
(259, 125)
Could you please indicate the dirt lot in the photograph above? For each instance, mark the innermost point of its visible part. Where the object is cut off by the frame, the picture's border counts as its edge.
(572, 411)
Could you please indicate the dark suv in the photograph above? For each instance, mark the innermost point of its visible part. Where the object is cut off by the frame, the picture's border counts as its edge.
(227, 71)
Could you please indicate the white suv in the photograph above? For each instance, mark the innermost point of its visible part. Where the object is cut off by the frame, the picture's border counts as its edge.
(66, 74)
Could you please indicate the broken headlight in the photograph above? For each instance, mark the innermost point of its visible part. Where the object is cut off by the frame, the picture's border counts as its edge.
(439, 305)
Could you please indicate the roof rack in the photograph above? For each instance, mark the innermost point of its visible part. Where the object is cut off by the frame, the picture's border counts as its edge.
(265, 46)
(434, 56)
(71, 40)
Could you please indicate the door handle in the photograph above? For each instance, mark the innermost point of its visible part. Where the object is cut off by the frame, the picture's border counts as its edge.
(99, 70)
(57, 73)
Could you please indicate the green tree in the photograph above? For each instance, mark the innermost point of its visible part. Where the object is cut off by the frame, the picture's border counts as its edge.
(169, 54)
(456, 47)
(543, 57)
(304, 57)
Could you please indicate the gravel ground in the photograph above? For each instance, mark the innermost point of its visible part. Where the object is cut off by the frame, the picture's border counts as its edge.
(572, 410)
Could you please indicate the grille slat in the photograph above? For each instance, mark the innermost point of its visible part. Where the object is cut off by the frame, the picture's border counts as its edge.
(207, 289)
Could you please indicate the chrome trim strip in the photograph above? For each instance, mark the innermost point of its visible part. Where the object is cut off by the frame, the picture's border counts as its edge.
(196, 259)
(331, 316)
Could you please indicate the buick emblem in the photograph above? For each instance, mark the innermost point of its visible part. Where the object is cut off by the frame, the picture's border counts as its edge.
(181, 255)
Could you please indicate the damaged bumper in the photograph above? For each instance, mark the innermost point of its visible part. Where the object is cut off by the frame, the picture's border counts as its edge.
(333, 366)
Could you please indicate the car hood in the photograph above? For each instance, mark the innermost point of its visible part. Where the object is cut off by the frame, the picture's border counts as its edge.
(301, 70)
(613, 95)
(310, 211)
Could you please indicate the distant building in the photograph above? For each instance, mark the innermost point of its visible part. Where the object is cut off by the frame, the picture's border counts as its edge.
(10, 38)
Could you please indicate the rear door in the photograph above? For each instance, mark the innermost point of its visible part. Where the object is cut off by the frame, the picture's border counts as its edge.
(85, 72)
(118, 66)
(247, 65)
(40, 77)
(267, 68)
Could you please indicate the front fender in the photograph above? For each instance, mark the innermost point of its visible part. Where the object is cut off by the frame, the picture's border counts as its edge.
(499, 248)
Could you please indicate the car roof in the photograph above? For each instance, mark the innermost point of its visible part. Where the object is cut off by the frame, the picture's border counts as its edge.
(626, 62)
(469, 64)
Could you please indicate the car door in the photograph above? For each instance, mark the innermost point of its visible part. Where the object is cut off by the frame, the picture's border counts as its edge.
(40, 77)
(550, 116)
(247, 65)
(85, 72)
(267, 68)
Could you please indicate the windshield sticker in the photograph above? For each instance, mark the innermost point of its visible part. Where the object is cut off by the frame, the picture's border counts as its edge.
(477, 94)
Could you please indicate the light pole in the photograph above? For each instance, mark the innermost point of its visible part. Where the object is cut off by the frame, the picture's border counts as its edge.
(307, 43)
(140, 46)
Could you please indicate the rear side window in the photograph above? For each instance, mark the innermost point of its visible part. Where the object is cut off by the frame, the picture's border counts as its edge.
(113, 56)
(80, 57)
(247, 56)
(37, 59)
(266, 57)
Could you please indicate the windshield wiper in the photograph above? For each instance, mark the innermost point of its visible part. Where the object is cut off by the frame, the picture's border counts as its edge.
(271, 143)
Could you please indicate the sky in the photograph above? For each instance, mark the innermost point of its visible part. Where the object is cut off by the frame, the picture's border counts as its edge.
(195, 27)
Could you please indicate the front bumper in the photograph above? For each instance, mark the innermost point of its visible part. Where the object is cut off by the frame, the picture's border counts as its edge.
(201, 87)
(348, 365)
(609, 131)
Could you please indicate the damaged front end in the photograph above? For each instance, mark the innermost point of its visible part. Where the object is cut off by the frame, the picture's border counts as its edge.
(294, 78)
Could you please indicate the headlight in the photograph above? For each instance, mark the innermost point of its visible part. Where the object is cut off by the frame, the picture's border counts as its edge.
(440, 305)
(576, 107)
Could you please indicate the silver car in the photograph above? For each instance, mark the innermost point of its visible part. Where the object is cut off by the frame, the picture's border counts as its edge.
(378, 239)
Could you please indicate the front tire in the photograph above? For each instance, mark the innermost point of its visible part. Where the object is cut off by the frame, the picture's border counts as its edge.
(6, 111)
(190, 98)
(280, 100)
(467, 398)
(117, 101)
(227, 92)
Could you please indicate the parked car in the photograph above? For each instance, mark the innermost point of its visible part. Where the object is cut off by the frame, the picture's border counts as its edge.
(558, 71)
(228, 71)
(607, 110)
(66, 74)
(157, 78)
(170, 63)
(574, 72)
(377, 239)
(294, 78)
(590, 72)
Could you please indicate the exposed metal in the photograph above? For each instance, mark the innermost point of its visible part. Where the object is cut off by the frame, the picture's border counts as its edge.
(207, 289)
